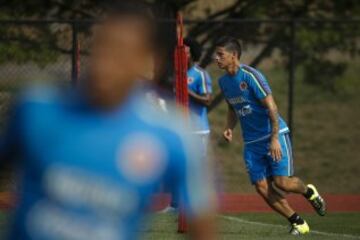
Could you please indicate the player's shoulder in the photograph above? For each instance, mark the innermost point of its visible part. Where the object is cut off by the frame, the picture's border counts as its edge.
(170, 127)
(205, 73)
(41, 96)
(157, 113)
(251, 71)
(156, 110)
(199, 69)
(152, 114)
(200, 72)
(195, 72)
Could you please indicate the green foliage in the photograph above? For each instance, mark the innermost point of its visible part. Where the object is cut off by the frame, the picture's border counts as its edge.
(323, 72)
(14, 52)
(324, 50)
(315, 41)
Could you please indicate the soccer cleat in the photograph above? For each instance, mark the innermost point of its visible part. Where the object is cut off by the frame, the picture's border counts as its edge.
(299, 229)
(317, 201)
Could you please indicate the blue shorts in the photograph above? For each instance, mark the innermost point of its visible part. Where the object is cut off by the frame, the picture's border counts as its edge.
(260, 165)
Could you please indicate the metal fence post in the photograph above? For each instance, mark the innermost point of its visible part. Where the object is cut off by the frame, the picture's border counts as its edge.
(291, 75)
(74, 54)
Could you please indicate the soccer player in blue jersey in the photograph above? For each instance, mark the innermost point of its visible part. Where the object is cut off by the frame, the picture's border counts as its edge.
(200, 95)
(199, 88)
(267, 151)
(91, 158)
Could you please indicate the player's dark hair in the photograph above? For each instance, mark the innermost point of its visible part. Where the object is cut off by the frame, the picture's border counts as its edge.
(231, 44)
(128, 7)
(195, 48)
(138, 9)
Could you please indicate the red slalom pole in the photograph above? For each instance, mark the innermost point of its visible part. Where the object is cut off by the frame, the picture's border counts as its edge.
(181, 66)
(182, 97)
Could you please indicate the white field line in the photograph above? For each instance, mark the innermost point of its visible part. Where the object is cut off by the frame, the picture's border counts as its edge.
(328, 234)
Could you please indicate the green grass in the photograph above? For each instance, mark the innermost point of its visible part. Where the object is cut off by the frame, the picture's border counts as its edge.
(250, 226)
(4, 219)
(264, 226)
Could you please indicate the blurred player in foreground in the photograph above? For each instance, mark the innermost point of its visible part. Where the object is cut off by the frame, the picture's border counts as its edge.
(200, 95)
(267, 152)
(91, 158)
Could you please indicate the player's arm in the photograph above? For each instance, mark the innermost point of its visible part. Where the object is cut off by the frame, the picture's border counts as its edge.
(262, 91)
(231, 121)
(203, 93)
(275, 147)
(204, 99)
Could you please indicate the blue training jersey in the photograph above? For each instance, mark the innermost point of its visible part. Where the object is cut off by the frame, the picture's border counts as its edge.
(89, 175)
(199, 82)
(243, 92)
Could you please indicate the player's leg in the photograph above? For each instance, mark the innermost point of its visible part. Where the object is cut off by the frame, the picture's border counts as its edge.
(282, 172)
(273, 198)
(295, 185)
(290, 184)
(259, 172)
(174, 201)
(278, 203)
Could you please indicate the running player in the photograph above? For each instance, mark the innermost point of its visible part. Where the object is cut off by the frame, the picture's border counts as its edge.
(267, 150)
(91, 158)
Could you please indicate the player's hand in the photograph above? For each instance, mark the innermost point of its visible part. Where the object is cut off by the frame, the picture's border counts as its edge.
(275, 149)
(228, 135)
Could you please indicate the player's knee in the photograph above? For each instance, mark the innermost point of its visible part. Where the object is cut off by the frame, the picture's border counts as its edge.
(281, 182)
(262, 188)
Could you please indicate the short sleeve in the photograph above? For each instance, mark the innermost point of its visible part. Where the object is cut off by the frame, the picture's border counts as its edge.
(208, 83)
(204, 82)
(257, 83)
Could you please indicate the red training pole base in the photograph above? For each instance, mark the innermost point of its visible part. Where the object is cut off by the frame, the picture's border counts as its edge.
(182, 224)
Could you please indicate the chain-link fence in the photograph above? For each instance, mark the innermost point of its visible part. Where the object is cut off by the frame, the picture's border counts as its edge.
(312, 67)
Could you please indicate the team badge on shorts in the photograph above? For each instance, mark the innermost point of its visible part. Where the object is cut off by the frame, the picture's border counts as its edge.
(243, 86)
(142, 158)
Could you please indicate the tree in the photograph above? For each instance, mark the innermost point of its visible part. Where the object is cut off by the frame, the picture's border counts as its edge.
(314, 40)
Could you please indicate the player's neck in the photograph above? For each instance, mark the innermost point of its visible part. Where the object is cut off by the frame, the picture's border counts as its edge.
(108, 104)
(233, 68)
(192, 64)
(107, 101)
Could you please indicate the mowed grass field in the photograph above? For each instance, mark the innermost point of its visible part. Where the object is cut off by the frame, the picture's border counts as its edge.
(248, 226)
(260, 226)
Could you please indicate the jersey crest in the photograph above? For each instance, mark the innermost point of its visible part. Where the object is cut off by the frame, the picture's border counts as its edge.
(243, 86)
(142, 158)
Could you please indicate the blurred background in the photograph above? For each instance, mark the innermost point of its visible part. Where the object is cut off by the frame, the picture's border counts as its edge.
(308, 49)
